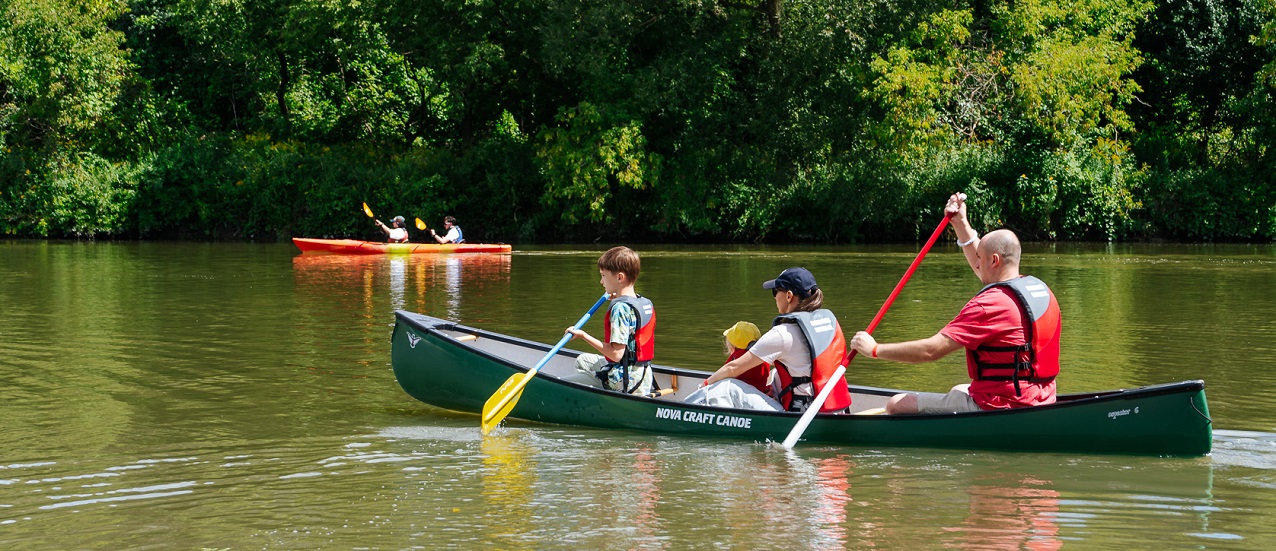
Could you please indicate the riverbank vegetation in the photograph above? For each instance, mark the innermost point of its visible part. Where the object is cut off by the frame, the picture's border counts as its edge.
(640, 120)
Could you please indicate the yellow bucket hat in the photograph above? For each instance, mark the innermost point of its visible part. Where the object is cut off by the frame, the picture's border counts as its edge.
(741, 334)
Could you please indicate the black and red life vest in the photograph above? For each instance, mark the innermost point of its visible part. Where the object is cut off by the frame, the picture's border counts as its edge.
(645, 335)
(1037, 359)
(824, 339)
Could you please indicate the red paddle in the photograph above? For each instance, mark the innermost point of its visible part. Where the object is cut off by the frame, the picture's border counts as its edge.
(809, 414)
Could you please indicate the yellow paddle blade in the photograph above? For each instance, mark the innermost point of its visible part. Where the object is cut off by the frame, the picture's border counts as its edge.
(502, 401)
(367, 211)
(420, 225)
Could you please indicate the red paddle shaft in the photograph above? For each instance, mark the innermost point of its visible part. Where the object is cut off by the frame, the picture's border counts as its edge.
(900, 286)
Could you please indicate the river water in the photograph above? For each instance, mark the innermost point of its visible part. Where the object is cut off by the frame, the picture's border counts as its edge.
(239, 396)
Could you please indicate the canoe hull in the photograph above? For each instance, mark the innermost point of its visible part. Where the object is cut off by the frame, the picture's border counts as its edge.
(434, 367)
(354, 246)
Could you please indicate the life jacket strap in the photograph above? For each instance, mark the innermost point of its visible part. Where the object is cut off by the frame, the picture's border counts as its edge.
(796, 400)
(644, 366)
(1016, 367)
(624, 367)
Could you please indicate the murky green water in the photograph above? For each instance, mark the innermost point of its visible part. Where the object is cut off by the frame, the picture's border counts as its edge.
(239, 396)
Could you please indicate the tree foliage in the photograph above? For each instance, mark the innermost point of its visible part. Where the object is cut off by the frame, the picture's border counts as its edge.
(679, 120)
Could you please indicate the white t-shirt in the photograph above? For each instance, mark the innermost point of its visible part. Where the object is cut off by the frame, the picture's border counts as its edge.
(398, 234)
(785, 342)
(452, 236)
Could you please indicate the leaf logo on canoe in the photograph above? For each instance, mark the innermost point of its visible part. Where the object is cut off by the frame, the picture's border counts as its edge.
(413, 339)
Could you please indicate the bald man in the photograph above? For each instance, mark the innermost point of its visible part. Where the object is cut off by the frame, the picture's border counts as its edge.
(1010, 331)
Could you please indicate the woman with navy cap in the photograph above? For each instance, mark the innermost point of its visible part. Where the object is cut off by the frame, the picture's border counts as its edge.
(805, 344)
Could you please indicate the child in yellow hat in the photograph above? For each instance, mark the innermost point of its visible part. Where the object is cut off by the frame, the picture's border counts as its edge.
(751, 389)
(739, 338)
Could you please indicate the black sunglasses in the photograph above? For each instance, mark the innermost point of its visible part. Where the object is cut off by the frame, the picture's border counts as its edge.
(776, 291)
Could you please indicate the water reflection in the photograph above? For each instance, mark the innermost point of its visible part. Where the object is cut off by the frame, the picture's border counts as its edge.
(509, 479)
(168, 395)
(625, 496)
(981, 501)
(1009, 512)
(459, 286)
(645, 480)
(452, 286)
(833, 494)
(398, 281)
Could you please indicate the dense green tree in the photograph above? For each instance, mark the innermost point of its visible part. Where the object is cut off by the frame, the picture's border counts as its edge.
(757, 120)
(1205, 119)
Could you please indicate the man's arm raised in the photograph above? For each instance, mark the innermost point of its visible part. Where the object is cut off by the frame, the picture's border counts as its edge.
(967, 237)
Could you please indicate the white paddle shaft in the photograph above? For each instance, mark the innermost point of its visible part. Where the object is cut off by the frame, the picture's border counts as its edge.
(814, 408)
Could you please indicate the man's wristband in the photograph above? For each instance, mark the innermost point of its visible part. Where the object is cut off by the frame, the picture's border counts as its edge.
(874, 353)
(972, 239)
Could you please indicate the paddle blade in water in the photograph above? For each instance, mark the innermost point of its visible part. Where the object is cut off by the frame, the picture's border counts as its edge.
(420, 224)
(367, 211)
(493, 410)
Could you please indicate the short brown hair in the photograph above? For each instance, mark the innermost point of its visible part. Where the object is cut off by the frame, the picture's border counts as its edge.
(621, 260)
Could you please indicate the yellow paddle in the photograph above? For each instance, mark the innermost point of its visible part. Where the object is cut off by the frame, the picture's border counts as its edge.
(420, 224)
(503, 400)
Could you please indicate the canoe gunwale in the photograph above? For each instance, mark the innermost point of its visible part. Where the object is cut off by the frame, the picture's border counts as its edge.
(436, 326)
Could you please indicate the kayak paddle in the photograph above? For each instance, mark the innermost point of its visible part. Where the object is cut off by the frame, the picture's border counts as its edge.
(503, 400)
(809, 414)
(420, 224)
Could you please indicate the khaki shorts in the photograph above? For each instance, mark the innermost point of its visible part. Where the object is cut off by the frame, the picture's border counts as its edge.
(957, 400)
(591, 366)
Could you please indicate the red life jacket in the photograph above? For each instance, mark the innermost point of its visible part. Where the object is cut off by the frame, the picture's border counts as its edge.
(824, 339)
(1037, 360)
(757, 375)
(645, 335)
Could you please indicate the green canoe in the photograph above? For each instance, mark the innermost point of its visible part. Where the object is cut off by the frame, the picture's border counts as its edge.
(456, 367)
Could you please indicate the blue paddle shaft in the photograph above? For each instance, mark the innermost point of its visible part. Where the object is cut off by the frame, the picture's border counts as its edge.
(568, 336)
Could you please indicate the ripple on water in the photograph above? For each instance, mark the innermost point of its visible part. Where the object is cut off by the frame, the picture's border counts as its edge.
(1255, 450)
(441, 433)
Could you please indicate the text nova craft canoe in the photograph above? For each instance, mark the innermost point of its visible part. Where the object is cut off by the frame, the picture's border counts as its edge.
(354, 246)
(456, 367)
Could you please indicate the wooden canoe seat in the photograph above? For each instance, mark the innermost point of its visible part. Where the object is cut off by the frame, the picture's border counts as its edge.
(872, 411)
(464, 338)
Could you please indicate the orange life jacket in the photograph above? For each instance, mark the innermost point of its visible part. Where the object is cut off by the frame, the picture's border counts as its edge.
(824, 339)
(1037, 359)
(645, 347)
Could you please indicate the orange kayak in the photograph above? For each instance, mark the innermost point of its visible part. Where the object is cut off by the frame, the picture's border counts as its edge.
(354, 246)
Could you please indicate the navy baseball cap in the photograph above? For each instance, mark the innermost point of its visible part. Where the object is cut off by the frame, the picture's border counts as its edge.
(798, 280)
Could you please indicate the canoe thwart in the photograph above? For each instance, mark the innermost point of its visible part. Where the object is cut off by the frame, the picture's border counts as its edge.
(662, 392)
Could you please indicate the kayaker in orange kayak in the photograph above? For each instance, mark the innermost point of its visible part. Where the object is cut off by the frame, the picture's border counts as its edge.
(453, 232)
(397, 234)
